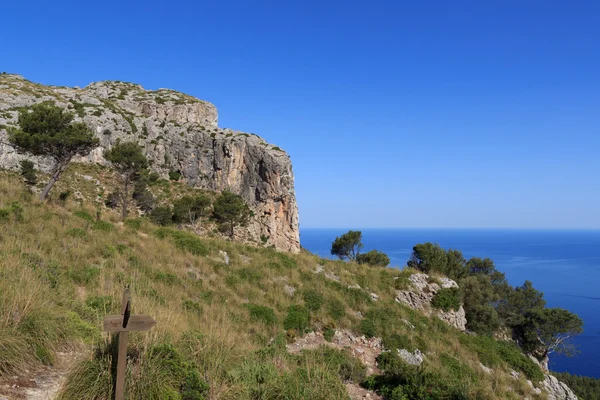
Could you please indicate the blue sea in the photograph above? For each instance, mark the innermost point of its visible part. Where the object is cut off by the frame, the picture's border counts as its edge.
(565, 265)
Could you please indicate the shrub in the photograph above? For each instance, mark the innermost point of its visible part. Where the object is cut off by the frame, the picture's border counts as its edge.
(85, 275)
(313, 300)
(367, 328)
(103, 226)
(4, 215)
(189, 242)
(28, 172)
(374, 258)
(262, 314)
(162, 216)
(174, 175)
(335, 309)
(396, 341)
(447, 299)
(297, 318)
(133, 223)
(328, 334)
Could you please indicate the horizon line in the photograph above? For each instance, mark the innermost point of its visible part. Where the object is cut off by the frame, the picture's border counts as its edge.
(456, 228)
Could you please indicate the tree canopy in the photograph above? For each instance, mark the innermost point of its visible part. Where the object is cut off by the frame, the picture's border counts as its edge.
(374, 258)
(189, 208)
(348, 245)
(48, 130)
(230, 210)
(427, 257)
(129, 161)
(552, 327)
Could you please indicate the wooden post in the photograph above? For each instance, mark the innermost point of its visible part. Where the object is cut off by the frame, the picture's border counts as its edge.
(123, 324)
(122, 357)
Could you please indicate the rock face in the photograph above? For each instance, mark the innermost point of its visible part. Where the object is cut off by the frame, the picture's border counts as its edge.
(420, 294)
(557, 390)
(179, 133)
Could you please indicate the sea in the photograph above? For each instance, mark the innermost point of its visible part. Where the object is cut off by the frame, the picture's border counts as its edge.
(564, 264)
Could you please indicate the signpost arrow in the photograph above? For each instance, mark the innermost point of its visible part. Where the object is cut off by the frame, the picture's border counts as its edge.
(123, 324)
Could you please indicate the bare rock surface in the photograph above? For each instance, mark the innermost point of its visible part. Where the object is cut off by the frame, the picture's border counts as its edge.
(178, 133)
(361, 347)
(421, 292)
(557, 390)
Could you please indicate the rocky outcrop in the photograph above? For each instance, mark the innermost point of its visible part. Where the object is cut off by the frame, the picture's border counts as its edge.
(179, 133)
(361, 347)
(420, 293)
(557, 390)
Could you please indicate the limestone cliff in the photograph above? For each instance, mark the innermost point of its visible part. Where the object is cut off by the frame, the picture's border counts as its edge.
(179, 133)
(420, 294)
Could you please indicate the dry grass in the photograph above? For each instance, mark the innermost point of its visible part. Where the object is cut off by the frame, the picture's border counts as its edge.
(60, 275)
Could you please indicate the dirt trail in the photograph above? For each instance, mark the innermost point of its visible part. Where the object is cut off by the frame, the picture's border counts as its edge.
(42, 384)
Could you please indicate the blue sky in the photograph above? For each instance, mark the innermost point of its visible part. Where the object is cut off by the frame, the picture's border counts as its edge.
(395, 113)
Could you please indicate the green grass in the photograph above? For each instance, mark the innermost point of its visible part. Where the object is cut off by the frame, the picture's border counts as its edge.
(221, 329)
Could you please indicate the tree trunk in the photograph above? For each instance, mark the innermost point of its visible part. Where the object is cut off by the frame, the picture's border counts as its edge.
(58, 170)
(125, 199)
(232, 231)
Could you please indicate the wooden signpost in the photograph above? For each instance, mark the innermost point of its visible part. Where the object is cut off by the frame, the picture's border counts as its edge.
(124, 324)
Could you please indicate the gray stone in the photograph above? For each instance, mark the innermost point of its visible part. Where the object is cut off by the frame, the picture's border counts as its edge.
(414, 358)
(557, 390)
(289, 290)
(419, 297)
(224, 256)
(178, 133)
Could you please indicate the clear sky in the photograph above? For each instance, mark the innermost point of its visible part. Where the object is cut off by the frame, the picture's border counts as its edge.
(395, 113)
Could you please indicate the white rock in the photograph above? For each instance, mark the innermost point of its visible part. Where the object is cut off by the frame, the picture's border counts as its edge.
(414, 358)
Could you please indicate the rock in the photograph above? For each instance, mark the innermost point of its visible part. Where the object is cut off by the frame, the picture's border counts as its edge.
(287, 289)
(515, 374)
(355, 392)
(414, 358)
(486, 369)
(543, 364)
(224, 256)
(365, 349)
(422, 292)
(533, 388)
(557, 390)
(178, 133)
(355, 286)
(374, 297)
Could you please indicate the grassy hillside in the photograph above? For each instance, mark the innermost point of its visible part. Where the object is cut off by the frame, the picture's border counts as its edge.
(222, 329)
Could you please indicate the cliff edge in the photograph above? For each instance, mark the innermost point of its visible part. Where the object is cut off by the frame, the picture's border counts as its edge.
(180, 134)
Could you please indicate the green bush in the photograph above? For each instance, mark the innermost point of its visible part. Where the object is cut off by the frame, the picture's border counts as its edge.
(4, 215)
(374, 258)
(85, 275)
(367, 328)
(28, 172)
(103, 226)
(133, 223)
(162, 216)
(190, 242)
(335, 309)
(447, 299)
(297, 318)
(313, 300)
(174, 175)
(262, 314)
(493, 353)
(396, 341)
